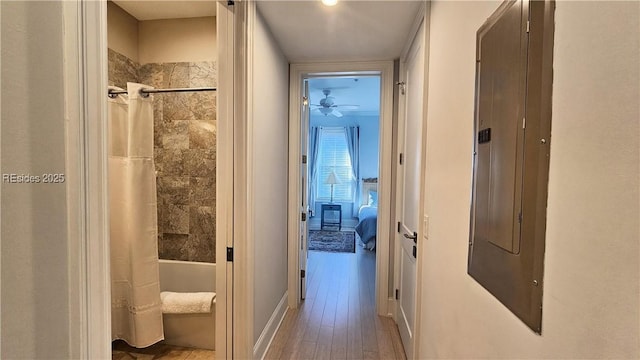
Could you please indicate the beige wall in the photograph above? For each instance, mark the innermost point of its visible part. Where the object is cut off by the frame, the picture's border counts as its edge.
(158, 41)
(35, 288)
(591, 281)
(269, 151)
(122, 31)
(177, 40)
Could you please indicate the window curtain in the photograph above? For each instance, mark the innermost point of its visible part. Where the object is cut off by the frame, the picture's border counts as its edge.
(314, 141)
(136, 310)
(353, 144)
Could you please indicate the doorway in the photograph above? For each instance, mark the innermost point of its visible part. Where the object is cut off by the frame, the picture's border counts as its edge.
(325, 202)
(91, 170)
(342, 172)
(162, 122)
(333, 311)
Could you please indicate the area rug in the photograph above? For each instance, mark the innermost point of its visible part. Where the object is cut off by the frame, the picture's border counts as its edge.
(332, 241)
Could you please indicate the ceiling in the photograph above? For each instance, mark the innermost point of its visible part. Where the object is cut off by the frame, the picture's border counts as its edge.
(363, 91)
(349, 31)
(307, 31)
(167, 9)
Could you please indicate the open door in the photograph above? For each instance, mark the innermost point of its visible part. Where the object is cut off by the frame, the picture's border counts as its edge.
(410, 180)
(304, 189)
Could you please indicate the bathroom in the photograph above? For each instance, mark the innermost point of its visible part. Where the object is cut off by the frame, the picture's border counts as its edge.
(162, 45)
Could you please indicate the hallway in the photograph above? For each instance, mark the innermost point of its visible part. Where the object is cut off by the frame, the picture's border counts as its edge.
(338, 319)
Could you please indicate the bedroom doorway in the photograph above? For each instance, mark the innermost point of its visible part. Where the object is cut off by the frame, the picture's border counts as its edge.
(340, 116)
(342, 123)
(342, 145)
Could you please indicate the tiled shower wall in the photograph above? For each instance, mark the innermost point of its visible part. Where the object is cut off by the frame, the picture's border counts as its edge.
(184, 152)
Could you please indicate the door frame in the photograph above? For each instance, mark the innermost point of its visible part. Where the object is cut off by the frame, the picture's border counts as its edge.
(85, 86)
(85, 81)
(298, 72)
(230, 106)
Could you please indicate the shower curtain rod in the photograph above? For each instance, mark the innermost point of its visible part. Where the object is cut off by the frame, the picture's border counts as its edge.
(146, 92)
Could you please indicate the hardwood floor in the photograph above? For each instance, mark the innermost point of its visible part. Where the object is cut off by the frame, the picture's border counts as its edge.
(338, 319)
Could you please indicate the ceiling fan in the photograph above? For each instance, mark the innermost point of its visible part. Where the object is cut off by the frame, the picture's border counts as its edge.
(328, 106)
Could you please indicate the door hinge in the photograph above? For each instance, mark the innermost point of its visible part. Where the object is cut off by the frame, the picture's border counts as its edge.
(524, 123)
(305, 101)
(528, 23)
(402, 86)
(303, 217)
(302, 274)
(304, 159)
(520, 217)
(229, 254)
(401, 158)
(399, 225)
(397, 294)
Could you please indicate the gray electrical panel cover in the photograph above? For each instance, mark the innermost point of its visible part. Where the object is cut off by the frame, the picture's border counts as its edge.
(511, 155)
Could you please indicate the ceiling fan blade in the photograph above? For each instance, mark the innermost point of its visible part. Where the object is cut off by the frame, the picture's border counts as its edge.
(336, 113)
(347, 107)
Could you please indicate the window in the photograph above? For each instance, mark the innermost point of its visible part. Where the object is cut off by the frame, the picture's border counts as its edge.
(333, 155)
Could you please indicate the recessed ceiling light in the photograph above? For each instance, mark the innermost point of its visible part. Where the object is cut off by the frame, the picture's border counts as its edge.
(329, 2)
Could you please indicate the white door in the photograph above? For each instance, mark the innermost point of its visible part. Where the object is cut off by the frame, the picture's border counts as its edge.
(409, 173)
(304, 188)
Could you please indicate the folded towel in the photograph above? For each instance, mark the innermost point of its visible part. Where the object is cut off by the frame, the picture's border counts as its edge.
(187, 302)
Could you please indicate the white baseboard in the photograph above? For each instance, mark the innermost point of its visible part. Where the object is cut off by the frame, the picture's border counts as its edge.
(391, 308)
(269, 332)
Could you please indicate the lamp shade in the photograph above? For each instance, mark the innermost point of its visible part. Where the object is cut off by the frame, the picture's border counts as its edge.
(332, 178)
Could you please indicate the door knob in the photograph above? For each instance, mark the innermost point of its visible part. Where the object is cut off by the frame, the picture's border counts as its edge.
(413, 237)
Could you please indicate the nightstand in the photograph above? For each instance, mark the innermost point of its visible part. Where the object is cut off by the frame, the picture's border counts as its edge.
(332, 220)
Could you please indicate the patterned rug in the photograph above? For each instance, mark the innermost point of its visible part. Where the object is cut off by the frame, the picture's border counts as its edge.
(332, 241)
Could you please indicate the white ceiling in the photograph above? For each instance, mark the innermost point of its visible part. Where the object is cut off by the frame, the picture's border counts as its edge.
(363, 91)
(167, 9)
(309, 31)
(351, 30)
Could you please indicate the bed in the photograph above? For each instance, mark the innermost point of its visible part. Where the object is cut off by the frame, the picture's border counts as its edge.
(368, 213)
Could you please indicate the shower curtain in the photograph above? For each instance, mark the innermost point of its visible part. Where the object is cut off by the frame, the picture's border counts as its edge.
(136, 311)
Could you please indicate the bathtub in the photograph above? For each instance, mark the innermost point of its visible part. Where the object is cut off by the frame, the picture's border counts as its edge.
(190, 330)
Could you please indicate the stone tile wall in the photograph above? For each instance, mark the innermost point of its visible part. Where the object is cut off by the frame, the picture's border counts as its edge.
(121, 69)
(184, 151)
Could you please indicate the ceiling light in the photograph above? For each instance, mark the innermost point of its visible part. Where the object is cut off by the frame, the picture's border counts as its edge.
(329, 2)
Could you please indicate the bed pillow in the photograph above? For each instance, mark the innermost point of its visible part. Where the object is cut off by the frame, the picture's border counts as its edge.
(373, 198)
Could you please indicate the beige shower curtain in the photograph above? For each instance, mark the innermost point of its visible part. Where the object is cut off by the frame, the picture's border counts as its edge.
(136, 311)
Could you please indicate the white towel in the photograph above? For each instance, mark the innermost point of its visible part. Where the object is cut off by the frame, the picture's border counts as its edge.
(187, 302)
